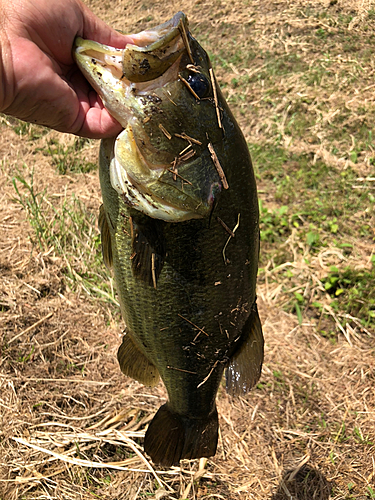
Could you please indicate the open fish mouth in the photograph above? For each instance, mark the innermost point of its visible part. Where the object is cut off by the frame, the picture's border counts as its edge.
(134, 84)
(136, 69)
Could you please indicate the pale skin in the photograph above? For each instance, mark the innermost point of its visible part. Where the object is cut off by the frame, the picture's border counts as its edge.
(39, 80)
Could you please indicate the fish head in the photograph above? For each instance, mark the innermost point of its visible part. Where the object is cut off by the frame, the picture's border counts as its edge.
(163, 92)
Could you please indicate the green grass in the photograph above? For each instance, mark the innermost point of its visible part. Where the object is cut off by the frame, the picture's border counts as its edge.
(317, 204)
(312, 196)
(27, 130)
(303, 98)
(67, 230)
(66, 158)
(353, 292)
(300, 103)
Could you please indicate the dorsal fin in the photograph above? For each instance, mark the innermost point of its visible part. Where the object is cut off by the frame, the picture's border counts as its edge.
(105, 238)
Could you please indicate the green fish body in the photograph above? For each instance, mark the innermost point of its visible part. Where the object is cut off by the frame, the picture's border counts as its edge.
(180, 229)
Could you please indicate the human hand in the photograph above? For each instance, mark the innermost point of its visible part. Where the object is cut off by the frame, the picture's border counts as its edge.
(39, 80)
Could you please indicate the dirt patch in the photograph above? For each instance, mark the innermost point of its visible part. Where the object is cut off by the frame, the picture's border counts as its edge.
(72, 426)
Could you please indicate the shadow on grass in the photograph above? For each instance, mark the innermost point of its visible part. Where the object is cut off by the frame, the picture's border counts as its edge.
(306, 483)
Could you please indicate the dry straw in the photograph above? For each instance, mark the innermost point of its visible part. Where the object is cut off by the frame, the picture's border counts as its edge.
(72, 425)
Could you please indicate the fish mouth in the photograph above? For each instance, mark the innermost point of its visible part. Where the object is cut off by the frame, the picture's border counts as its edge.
(149, 63)
(164, 45)
(122, 77)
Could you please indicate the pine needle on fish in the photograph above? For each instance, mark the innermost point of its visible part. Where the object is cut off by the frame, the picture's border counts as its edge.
(188, 138)
(227, 229)
(165, 132)
(228, 240)
(215, 97)
(189, 87)
(218, 167)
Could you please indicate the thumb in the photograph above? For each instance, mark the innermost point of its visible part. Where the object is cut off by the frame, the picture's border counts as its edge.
(94, 28)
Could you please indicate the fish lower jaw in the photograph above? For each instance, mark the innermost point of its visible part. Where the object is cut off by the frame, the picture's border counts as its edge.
(138, 199)
(101, 63)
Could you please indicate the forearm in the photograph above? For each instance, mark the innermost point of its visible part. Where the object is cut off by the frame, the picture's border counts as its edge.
(6, 80)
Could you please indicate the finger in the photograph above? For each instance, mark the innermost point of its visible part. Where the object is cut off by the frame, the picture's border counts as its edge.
(94, 100)
(93, 120)
(99, 124)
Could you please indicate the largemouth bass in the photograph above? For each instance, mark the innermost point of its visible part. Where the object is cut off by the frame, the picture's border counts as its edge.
(180, 229)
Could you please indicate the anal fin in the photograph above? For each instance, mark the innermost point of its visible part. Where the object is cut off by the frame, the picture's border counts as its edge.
(245, 365)
(134, 363)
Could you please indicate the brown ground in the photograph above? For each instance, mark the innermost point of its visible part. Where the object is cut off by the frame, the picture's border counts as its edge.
(72, 425)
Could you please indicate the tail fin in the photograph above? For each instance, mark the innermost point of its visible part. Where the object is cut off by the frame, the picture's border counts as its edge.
(171, 437)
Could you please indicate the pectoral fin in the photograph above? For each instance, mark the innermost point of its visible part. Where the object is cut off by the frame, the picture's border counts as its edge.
(148, 250)
(105, 238)
(245, 365)
(134, 363)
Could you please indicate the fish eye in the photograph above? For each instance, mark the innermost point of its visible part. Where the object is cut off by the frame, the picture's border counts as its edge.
(199, 84)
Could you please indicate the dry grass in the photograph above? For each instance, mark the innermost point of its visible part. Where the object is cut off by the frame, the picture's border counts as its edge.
(72, 425)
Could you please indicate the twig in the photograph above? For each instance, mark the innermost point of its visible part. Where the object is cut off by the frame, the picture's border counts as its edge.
(215, 97)
(228, 240)
(28, 329)
(176, 174)
(153, 269)
(165, 132)
(188, 138)
(75, 381)
(182, 29)
(186, 156)
(181, 370)
(195, 326)
(65, 458)
(209, 375)
(219, 168)
(189, 87)
(227, 229)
